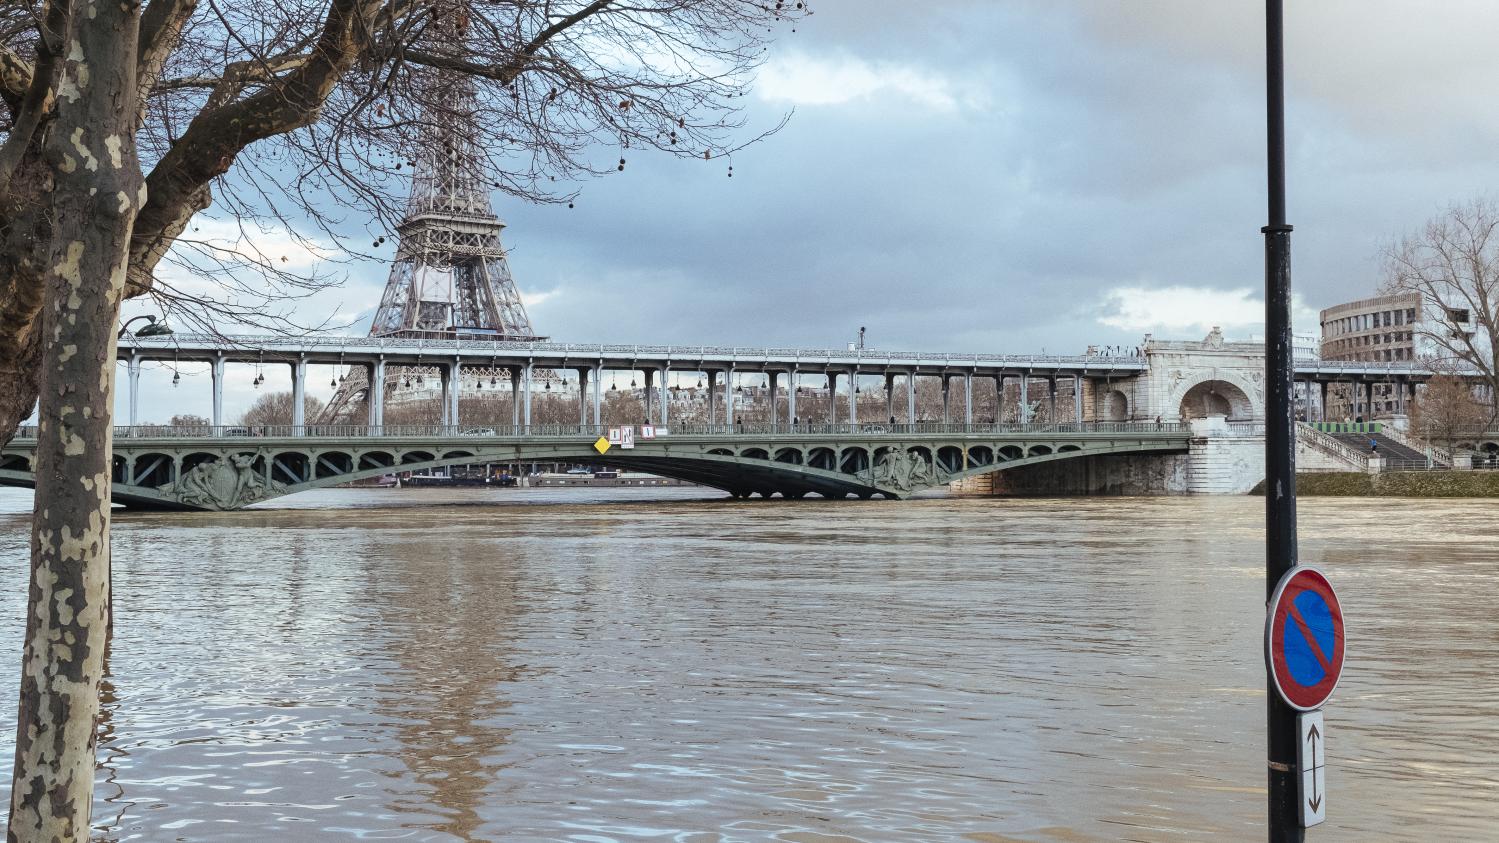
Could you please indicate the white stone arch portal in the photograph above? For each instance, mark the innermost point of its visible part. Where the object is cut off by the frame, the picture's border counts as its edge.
(1221, 393)
(1115, 406)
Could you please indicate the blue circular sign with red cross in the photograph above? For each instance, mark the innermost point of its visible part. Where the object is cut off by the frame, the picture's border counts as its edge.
(1304, 638)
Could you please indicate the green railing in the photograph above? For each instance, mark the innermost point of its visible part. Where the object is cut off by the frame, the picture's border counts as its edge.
(1347, 427)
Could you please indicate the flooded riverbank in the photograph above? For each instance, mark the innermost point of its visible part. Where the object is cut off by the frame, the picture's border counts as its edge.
(667, 665)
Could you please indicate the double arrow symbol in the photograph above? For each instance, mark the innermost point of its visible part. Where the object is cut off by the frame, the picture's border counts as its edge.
(1312, 736)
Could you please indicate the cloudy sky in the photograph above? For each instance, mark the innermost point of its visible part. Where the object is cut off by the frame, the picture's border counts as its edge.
(1020, 175)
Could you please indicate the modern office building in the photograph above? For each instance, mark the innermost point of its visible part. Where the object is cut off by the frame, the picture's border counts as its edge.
(1379, 328)
(1394, 328)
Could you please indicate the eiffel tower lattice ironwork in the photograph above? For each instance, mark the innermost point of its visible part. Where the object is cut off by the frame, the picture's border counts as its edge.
(450, 278)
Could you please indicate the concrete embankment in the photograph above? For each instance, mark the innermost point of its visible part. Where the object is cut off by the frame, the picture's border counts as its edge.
(1396, 484)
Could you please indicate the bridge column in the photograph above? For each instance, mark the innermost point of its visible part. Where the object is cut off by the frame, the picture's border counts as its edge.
(853, 397)
(1051, 399)
(832, 397)
(218, 394)
(529, 376)
(133, 373)
(728, 399)
(910, 398)
(890, 397)
(375, 395)
(450, 373)
(514, 397)
(442, 401)
(1077, 398)
(299, 396)
(1322, 406)
(582, 397)
(712, 398)
(946, 399)
(774, 377)
(791, 388)
(1024, 413)
(651, 410)
(968, 399)
(999, 398)
(598, 394)
(663, 416)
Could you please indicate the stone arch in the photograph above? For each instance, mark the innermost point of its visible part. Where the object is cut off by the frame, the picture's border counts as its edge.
(375, 459)
(754, 454)
(950, 459)
(980, 455)
(823, 458)
(153, 469)
(853, 460)
(333, 464)
(1224, 395)
(1115, 406)
(789, 455)
(291, 467)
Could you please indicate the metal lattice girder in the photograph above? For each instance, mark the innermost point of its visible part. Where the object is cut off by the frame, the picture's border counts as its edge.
(834, 463)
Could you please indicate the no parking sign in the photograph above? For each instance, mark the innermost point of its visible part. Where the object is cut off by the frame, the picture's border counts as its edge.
(1304, 646)
(1304, 640)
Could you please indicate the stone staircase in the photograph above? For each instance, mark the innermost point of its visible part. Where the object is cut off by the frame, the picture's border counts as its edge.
(1389, 448)
(1317, 450)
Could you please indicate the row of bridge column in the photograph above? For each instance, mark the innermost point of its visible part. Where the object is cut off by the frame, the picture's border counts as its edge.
(657, 396)
(1361, 406)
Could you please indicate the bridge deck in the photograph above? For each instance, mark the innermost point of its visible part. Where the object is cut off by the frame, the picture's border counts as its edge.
(230, 467)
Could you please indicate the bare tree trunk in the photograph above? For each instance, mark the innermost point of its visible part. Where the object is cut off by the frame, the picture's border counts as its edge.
(98, 193)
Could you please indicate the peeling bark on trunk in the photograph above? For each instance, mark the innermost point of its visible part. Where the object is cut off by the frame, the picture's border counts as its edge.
(91, 148)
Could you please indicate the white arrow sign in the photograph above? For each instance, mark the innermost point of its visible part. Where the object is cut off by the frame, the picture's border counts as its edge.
(1311, 759)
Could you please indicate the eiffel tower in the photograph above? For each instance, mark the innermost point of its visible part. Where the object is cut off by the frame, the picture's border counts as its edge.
(450, 278)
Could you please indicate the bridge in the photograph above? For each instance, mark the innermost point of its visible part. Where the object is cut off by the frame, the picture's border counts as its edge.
(1147, 386)
(218, 468)
(1177, 417)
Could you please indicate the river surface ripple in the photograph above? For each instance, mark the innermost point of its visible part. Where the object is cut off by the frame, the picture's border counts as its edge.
(662, 665)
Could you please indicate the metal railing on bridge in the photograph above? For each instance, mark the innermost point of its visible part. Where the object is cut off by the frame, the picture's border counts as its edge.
(573, 431)
(481, 345)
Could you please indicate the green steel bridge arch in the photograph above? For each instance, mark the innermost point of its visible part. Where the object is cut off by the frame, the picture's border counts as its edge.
(232, 467)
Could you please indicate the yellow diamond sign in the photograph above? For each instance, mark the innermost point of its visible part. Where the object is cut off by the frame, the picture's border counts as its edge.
(602, 445)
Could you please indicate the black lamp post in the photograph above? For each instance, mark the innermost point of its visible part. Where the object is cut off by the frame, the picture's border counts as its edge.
(1280, 428)
(151, 329)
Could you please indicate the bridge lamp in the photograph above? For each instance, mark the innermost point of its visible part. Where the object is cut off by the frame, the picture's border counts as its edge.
(333, 383)
(151, 329)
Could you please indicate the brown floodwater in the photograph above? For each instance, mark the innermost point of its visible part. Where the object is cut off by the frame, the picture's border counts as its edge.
(665, 665)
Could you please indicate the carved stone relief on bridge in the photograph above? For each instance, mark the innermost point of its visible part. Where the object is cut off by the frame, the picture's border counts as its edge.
(902, 470)
(216, 484)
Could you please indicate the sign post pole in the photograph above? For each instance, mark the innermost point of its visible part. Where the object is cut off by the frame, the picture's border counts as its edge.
(1280, 431)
